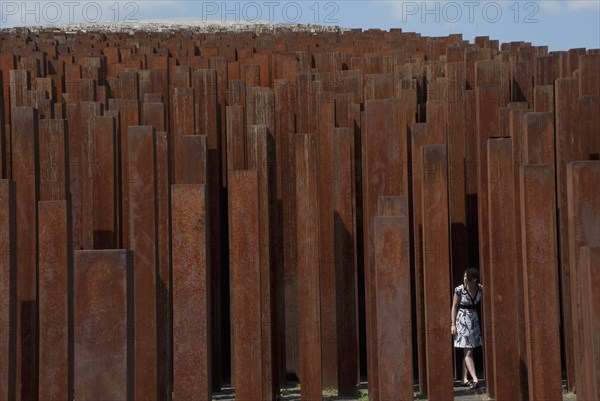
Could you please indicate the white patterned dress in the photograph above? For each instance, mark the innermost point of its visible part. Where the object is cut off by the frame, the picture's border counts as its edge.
(468, 330)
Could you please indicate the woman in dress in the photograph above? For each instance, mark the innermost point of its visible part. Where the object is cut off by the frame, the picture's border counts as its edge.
(465, 322)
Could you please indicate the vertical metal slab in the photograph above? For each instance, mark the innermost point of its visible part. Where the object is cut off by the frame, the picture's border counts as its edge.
(393, 297)
(455, 96)
(190, 162)
(103, 184)
(143, 242)
(344, 237)
(309, 297)
(54, 160)
(8, 288)
(128, 115)
(154, 114)
(163, 236)
(538, 138)
(191, 293)
(589, 70)
(543, 98)
(589, 299)
(326, 175)
(491, 93)
(566, 121)
(285, 98)
(392, 206)
(247, 305)
(382, 146)
(436, 271)
(236, 138)
(540, 276)
(503, 275)
(583, 203)
(88, 112)
(103, 325)
(55, 287)
(25, 173)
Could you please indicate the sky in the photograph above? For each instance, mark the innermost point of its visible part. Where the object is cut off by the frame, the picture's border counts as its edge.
(558, 24)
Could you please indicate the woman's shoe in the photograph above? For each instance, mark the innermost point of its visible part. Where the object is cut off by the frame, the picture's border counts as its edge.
(473, 385)
(466, 384)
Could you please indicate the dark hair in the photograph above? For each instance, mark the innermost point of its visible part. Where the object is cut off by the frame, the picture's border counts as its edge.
(472, 274)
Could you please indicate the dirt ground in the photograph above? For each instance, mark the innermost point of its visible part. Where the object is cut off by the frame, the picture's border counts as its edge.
(292, 393)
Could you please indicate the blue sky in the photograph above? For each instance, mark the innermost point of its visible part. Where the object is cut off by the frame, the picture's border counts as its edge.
(560, 24)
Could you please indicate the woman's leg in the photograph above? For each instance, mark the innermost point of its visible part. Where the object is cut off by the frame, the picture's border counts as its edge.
(471, 364)
(465, 371)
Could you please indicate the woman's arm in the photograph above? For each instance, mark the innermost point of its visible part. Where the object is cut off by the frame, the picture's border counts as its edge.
(455, 302)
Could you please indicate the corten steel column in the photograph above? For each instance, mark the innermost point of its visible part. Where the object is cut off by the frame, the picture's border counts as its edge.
(20, 81)
(538, 138)
(566, 120)
(128, 115)
(393, 297)
(309, 297)
(25, 173)
(219, 64)
(8, 288)
(491, 93)
(265, 114)
(87, 170)
(73, 116)
(589, 299)
(382, 175)
(54, 159)
(182, 113)
(181, 118)
(154, 114)
(545, 70)
(543, 98)
(455, 96)
(103, 325)
(504, 275)
(262, 148)
(129, 85)
(305, 104)
(285, 98)
(236, 94)
(540, 276)
(589, 125)
(521, 82)
(420, 136)
(204, 83)
(392, 206)
(589, 70)
(143, 242)
(246, 286)
(103, 179)
(344, 238)
(191, 293)
(326, 176)
(236, 138)
(163, 239)
(378, 87)
(190, 162)
(583, 204)
(471, 178)
(55, 287)
(436, 272)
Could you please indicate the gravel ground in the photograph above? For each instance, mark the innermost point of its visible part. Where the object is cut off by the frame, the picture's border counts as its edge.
(292, 393)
